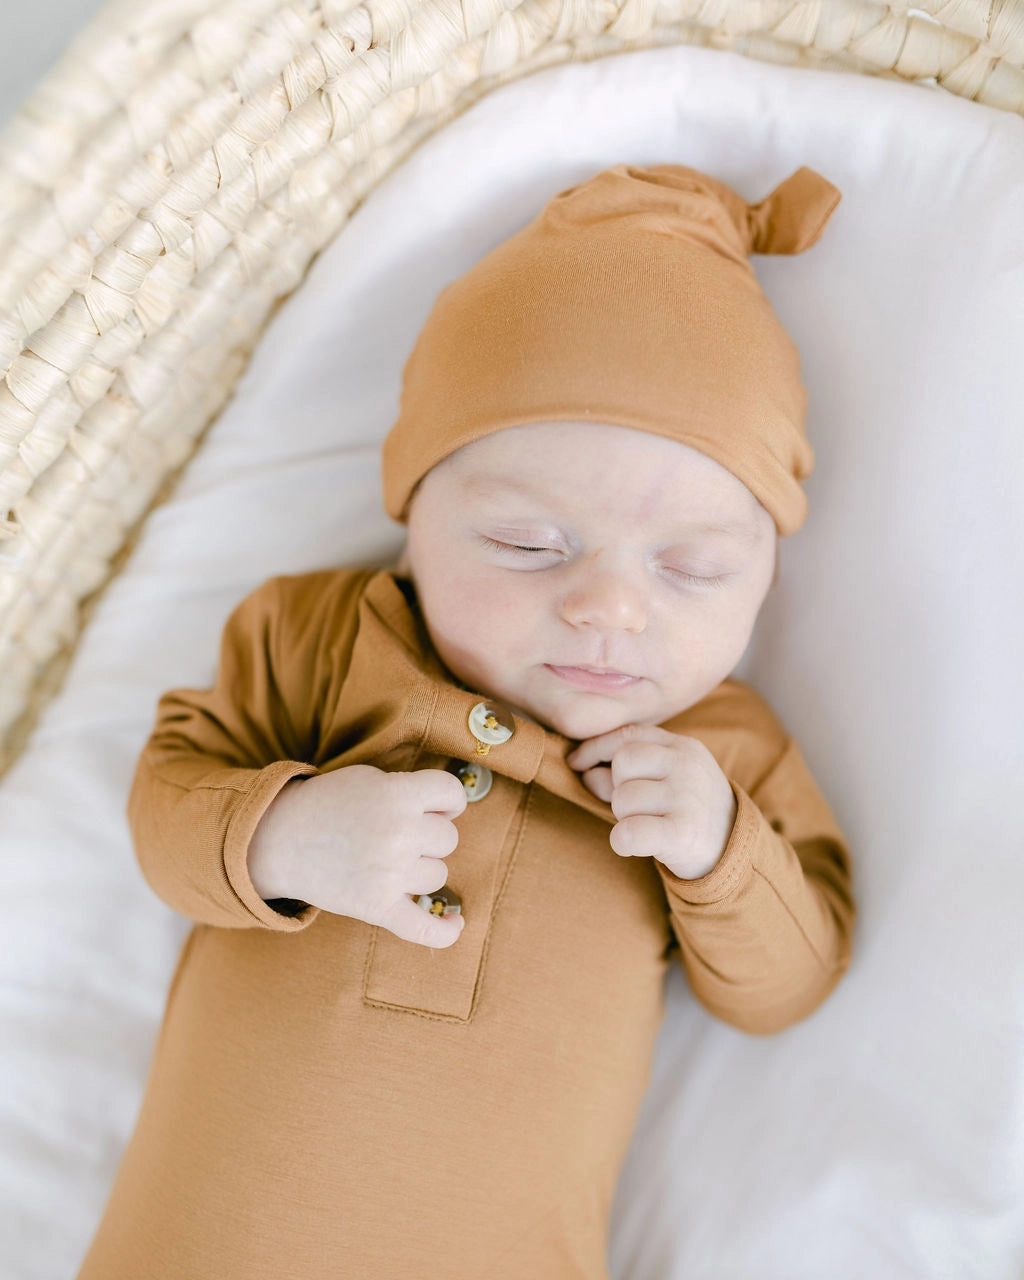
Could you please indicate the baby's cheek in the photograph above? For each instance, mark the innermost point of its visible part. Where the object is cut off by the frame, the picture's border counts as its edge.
(457, 612)
(500, 634)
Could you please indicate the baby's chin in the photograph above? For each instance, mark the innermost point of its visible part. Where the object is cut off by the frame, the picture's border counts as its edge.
(576, 714)
(589, 716)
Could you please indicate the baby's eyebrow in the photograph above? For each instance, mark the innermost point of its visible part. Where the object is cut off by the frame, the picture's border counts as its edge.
(509, 484)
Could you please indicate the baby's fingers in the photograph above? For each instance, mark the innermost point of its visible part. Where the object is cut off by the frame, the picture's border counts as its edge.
(599, 781)
(640, 836)
(408, 920)
(438, 791)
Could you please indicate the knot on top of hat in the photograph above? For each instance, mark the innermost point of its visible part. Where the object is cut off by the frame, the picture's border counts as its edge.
(675, 200)
(792, 217)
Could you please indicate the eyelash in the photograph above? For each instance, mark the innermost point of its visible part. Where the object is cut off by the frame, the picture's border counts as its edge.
(528, 551)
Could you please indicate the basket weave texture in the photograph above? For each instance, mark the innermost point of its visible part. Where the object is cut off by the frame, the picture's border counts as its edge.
(170, 181)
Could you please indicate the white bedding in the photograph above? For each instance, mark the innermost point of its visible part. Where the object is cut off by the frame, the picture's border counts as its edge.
(882, 1137)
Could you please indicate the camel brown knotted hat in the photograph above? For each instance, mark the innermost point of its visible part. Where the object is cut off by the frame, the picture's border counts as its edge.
(628, 300)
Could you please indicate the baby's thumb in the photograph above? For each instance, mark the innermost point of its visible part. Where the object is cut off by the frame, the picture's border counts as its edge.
(449, 928)
(415, 924)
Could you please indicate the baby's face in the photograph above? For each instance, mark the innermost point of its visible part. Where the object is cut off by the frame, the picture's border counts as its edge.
(620, 573)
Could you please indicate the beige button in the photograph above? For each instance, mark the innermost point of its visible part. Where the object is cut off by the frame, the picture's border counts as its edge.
(476, 778)
(442, 902)
(491, 724)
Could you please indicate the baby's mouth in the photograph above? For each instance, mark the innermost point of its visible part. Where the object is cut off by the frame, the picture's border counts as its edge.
(588, 678)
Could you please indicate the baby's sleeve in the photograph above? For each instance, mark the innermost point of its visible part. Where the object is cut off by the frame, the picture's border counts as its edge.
(218, 757)
(766, 935)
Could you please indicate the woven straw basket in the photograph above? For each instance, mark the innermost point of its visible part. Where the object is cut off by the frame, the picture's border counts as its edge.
(171, 180)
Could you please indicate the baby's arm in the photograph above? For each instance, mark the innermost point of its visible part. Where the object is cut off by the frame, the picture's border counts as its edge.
(766, 935)
(233, 827)
(218, 758)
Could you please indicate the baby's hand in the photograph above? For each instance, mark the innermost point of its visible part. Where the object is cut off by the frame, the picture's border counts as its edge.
(357, 841)
(672, 800)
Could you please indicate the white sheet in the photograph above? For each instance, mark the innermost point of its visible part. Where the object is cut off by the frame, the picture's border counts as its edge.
(882, 1137)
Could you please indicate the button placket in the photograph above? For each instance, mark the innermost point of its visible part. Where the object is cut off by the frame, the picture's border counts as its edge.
(443, 982)
(491, 724)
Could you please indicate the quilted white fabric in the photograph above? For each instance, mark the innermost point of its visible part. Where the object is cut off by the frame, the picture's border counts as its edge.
(883, 1136)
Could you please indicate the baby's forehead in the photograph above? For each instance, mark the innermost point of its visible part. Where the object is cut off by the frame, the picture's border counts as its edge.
(608, 467)
(583, 447)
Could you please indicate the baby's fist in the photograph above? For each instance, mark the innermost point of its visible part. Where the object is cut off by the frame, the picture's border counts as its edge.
(672, 800)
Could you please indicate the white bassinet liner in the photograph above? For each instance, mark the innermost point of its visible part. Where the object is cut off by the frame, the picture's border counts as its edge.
(882, 1136)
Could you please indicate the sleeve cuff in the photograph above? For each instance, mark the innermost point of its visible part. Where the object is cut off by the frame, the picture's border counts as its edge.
(732, 867)
(244, 821)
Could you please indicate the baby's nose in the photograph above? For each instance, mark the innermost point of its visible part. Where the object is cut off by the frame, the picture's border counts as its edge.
(607, 599)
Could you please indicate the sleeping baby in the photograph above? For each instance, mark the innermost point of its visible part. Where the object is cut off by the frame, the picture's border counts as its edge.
(442, 828)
